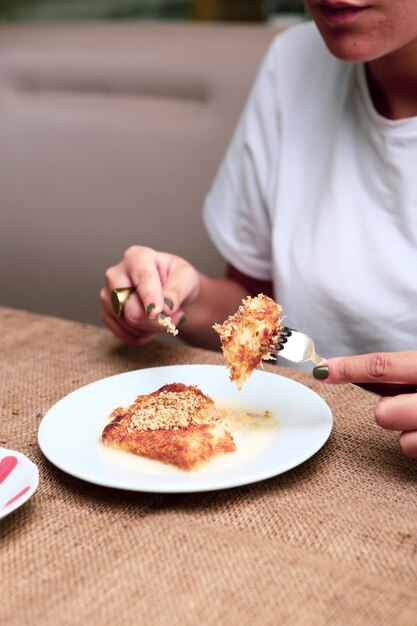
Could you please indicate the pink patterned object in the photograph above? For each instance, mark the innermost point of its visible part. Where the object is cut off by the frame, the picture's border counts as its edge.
(19, 479)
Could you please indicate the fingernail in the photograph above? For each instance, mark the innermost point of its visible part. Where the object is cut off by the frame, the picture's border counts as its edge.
(321, 372)
(169, 303)
(150, 308)
(182, 319)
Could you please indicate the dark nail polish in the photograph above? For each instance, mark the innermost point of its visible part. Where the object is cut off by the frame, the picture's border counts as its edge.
(169, 303)
(182, 320)
(150, 308)
(321, 372)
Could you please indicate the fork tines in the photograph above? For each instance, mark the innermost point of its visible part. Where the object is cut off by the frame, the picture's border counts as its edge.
(285, 332)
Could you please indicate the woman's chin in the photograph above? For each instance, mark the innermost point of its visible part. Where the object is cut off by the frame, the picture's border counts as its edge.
(351, 49)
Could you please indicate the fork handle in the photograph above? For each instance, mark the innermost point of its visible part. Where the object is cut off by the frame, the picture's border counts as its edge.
(387, 389)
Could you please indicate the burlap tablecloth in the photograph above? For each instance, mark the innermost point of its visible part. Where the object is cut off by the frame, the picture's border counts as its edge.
(333, 541)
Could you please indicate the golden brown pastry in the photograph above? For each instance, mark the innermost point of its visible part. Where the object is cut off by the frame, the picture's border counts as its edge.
(175, 425)
(250, 336)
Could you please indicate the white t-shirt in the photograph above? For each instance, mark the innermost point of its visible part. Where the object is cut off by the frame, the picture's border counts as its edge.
(318, 193)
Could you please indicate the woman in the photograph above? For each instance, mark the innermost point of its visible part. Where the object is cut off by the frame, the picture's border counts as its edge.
(316, 200)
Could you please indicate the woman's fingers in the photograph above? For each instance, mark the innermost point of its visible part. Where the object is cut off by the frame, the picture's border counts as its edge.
(142, 266)
(137, 338)
(161, 282)
(397, 413)
(408, 443)
(164, 283)
(394, 367)
(138, 269)
(133, 326)
(180, 283)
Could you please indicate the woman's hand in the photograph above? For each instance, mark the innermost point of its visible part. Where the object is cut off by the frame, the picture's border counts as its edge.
(397, 413)
(163, 282)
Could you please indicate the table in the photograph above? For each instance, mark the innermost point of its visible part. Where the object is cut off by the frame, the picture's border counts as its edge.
(333, 541)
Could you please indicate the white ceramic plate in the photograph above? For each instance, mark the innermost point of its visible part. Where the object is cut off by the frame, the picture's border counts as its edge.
(19, 479)
(69, 434)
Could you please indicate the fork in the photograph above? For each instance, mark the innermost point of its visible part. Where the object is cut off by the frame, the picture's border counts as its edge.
(299, 348)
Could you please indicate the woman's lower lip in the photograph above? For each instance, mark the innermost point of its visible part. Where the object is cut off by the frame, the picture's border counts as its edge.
(341, 15)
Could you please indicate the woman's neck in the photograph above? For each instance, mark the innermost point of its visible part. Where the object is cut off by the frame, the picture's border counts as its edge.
(392, 83)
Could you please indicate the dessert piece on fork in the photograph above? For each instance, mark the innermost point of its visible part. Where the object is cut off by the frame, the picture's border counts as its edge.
(250, 336)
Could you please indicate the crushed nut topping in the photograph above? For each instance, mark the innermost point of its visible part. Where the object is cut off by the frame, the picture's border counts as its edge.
(165, 320)
(170, 407)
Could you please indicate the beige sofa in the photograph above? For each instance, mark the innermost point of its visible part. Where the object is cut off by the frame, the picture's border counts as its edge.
(110, 135)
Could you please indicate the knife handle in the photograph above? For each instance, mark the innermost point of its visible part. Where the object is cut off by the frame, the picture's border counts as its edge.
(387, 389)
